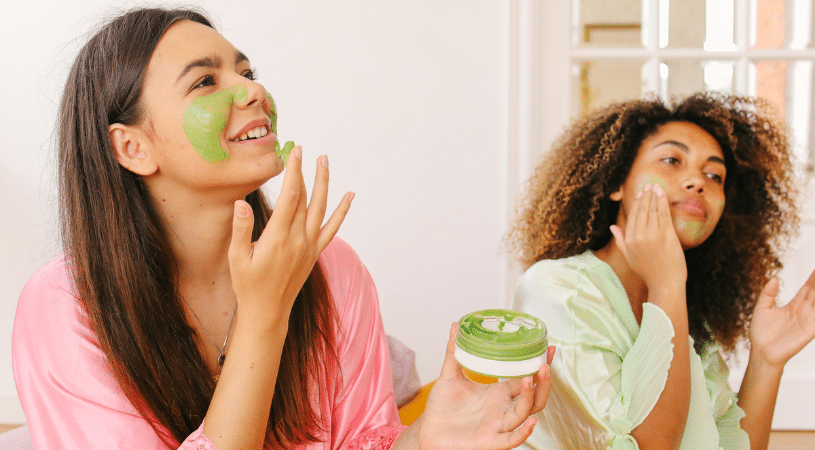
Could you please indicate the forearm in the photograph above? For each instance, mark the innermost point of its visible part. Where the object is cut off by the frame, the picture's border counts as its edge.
(239, 412)
(665, 424)
(757, 396)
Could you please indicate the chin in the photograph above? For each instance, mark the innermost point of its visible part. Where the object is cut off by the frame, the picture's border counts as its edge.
(691, 234)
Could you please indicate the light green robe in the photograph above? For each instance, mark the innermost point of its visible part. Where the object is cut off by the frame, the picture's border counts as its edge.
(608, 371)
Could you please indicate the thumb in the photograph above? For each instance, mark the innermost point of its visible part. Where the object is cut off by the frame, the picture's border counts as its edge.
(451, 368)
(767, 298)
(619, 237)
(243, 221)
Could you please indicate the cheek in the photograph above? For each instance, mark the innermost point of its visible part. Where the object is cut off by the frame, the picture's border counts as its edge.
(205, 120)
(653, 180)
(720, 206)
(718, 210)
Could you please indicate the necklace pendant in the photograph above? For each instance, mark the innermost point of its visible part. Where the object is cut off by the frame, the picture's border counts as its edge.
(221, 359)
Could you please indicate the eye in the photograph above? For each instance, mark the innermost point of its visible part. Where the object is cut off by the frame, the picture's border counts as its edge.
(207, 80)
(250, 74)
(715, 177)
(670, 160)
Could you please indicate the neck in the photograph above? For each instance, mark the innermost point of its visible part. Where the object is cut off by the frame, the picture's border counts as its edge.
(633, 284)
(199, 230)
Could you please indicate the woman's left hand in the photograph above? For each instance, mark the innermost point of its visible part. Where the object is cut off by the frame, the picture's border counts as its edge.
(461, 413)
(778, 333)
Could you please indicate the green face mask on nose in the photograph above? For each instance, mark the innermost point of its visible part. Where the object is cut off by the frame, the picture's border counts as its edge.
(205, 119)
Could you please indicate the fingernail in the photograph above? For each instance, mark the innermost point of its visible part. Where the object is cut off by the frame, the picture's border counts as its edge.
(658, 189)
(240, 209)
(546, 372)
(298, 152)
(351, 196)
(324, 161)
(639, 194)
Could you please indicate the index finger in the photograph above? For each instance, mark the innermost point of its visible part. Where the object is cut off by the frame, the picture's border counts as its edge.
(291, 190)
(634, 215)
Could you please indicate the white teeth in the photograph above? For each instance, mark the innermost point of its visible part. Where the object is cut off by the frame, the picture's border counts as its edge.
(254, 133)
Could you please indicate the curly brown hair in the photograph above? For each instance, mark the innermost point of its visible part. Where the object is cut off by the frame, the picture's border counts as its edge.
(566, 208)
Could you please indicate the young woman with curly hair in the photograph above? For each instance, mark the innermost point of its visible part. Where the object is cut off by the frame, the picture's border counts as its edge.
(186, 313)
(650, 233)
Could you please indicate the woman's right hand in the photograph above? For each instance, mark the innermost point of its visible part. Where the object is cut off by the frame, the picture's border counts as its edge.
(268, 274)
(652, 250)
(461, 413)
(650, 244)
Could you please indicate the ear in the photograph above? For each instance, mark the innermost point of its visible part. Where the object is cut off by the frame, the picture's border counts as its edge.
(130, 145)
(617, 195)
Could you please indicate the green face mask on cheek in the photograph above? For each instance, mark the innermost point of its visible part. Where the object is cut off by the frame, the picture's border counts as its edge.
(206, 118)
(282, 153)
(653, 180)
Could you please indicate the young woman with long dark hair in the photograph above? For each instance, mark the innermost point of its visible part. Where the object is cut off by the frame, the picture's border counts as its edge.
(185, 312)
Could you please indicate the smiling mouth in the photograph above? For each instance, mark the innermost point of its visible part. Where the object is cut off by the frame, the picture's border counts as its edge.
(254, 133)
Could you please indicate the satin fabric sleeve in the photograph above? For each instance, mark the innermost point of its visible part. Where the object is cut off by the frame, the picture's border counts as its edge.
(605, 381)
(69, 394)
(364, 411)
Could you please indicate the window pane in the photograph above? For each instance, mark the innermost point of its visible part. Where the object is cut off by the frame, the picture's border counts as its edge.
(608, 23)
(783, 24)
(595, 84)
(788, 86)
(683, 78)
(698, 24)
(685, 24)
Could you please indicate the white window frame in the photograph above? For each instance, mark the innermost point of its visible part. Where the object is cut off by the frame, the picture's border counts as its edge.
(539, 61)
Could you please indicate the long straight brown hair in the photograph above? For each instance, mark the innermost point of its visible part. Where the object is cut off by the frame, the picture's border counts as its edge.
(123, 266)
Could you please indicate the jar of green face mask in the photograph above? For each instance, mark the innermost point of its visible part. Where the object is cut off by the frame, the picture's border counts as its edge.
(501, 343)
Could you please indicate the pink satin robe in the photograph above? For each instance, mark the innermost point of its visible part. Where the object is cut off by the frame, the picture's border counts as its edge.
(72, 401)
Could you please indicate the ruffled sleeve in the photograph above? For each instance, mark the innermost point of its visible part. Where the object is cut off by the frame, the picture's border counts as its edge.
(198, 441)
(643, 373)
(607, 374)
(364, 414)
(723, 401)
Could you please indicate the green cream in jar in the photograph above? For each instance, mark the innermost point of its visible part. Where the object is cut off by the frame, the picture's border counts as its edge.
(501, 343)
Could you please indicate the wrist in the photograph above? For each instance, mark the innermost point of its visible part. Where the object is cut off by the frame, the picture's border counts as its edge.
(261, 324)
(409, 438)
(673, 302)
(763, 365)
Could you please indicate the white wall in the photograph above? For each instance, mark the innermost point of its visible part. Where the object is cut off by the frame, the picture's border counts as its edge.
(407, 97)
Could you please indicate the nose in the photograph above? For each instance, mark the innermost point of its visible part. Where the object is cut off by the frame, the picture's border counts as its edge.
(694, 182)
(255, 94)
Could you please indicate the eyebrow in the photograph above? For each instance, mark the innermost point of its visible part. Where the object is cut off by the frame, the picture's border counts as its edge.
(212, 62)
(685, 149)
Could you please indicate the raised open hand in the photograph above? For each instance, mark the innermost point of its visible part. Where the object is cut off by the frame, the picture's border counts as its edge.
(463, 414)
(778, 333)
(278, 263)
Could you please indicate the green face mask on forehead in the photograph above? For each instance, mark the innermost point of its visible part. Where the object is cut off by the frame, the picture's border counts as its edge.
(206, 117)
